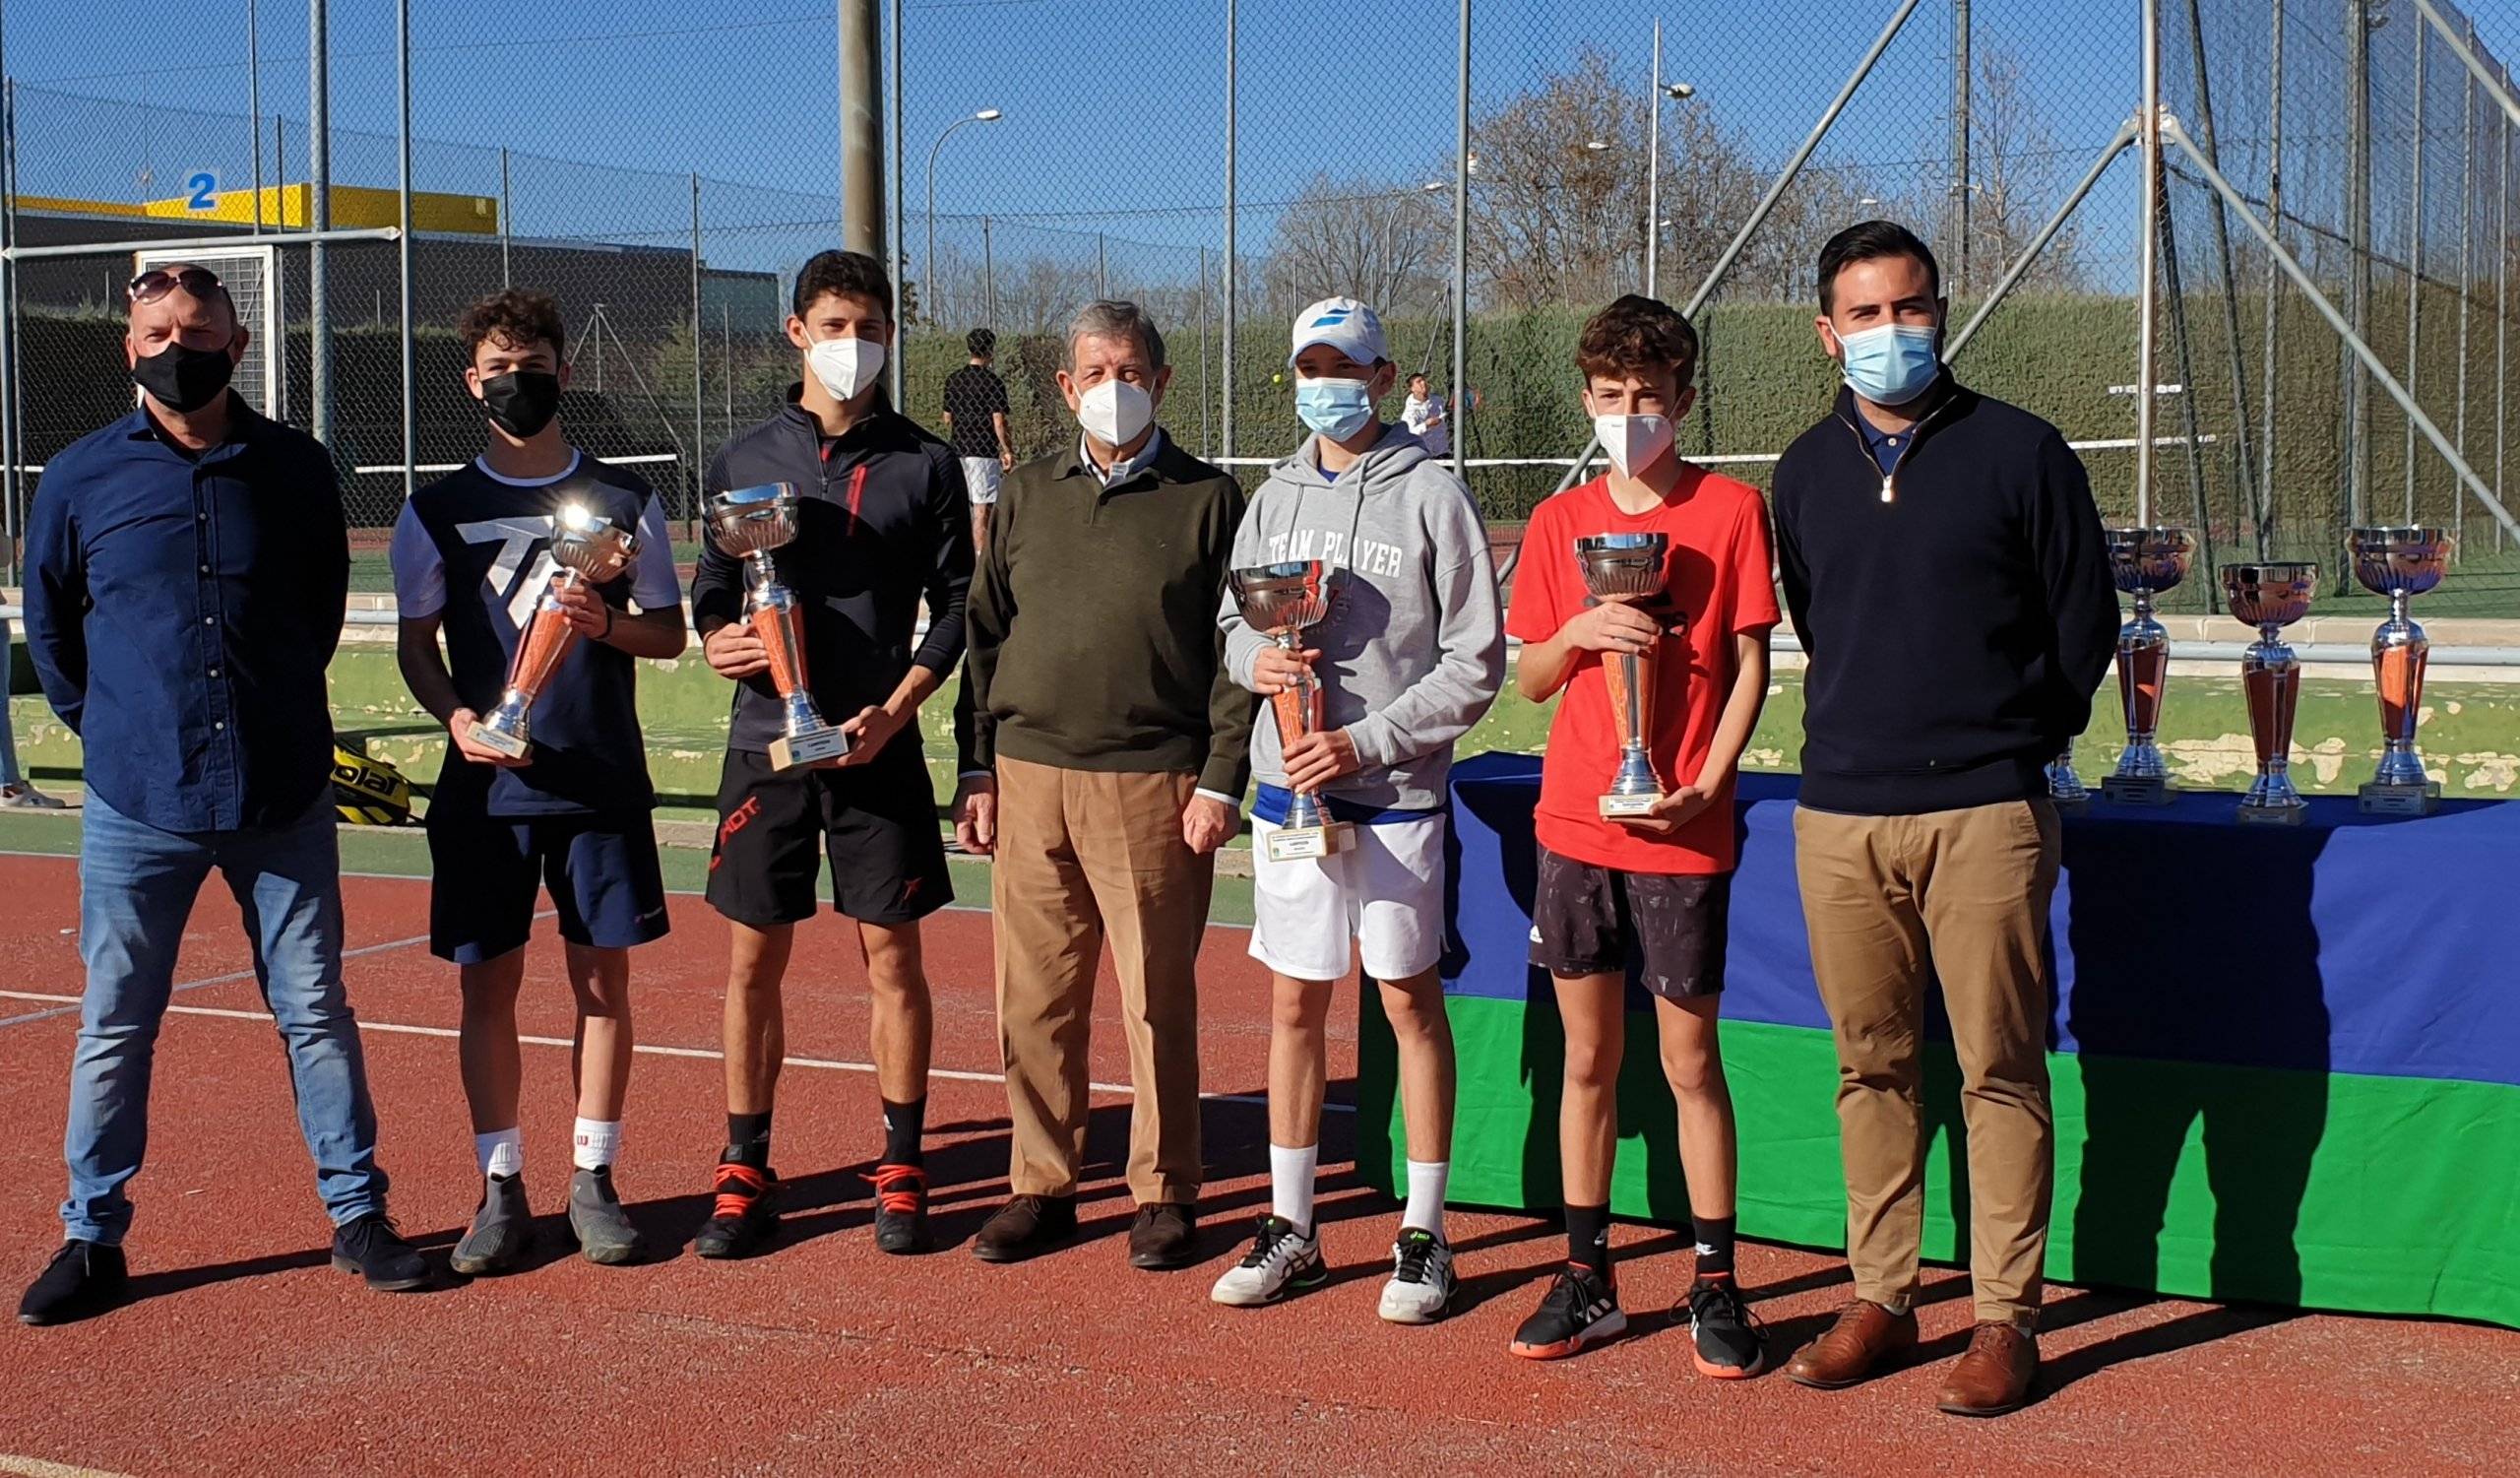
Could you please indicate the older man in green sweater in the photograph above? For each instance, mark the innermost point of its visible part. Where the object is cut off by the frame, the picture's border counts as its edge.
(1104, 752)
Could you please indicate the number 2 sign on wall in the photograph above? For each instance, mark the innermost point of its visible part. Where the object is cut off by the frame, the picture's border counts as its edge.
(202, 192)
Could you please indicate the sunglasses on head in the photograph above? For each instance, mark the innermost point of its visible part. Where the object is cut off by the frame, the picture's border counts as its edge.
(152, 285)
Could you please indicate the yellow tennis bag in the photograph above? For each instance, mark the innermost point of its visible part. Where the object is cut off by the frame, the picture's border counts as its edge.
(367, 791)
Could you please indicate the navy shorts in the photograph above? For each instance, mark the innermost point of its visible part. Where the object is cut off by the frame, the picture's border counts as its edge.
(489, 873)
(1669, 930)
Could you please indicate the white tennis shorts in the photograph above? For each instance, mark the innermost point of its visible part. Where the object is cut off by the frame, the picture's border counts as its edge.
(980, 478)
(1385, 893)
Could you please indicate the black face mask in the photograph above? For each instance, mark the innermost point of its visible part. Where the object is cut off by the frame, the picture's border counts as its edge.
(521, 403)
(182, 378)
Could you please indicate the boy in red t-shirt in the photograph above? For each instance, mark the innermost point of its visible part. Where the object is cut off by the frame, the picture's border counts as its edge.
(1649, 892)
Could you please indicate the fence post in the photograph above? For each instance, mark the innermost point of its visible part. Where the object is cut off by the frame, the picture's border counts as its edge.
(699, 433)
(2467, 282)
(2147, 288)
(2414, 270)
(8, 365)
(989, 276)
(1207, 443)
(2274, 274)
(1960, 89)
(403, 245)
(319, 220)
(506, 211)
(2358, 224)
(1461, 409)
(254, 104)
(895, 179)
(2223, 253)
(2501, 308)
(1231, 267)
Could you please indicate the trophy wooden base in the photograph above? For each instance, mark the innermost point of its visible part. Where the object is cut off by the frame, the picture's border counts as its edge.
(2377, 799)
(2273, 816)
(2071, 806)
(500, 740)
(1295, 844)
(2135, 790)
(1628, 807)
(817, 747)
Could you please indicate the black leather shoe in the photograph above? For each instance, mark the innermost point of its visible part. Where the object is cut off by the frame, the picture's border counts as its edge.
(1164, 1236)
(1025, 1227)
(371, 1248)
(82, 1280)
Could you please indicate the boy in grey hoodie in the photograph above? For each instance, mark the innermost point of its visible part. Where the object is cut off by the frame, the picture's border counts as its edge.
(1409, 657)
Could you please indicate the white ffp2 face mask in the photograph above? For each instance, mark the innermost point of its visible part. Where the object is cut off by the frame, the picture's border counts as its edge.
(847, 364)
(1114, 412)
(1633, 443)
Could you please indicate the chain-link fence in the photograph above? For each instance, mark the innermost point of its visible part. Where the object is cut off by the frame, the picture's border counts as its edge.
(1047, 155)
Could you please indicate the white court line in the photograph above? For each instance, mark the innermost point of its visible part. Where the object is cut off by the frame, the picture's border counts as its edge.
(231, 978)
(956, 907)
(36, 1468)
(704, 1054)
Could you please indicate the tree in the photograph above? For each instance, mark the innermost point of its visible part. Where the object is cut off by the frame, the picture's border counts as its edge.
(2018, 177)
(1381, 242)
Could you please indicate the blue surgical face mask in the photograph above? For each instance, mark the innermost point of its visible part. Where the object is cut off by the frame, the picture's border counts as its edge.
(1892, 365)
(1337, 409)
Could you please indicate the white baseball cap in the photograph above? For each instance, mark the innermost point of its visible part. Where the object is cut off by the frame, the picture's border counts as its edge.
(1344, 324)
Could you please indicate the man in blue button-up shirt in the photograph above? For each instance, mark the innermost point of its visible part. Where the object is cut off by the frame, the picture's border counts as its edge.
(186, 572)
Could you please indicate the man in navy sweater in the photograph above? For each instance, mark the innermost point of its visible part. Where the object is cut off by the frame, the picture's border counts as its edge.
(1943, 567)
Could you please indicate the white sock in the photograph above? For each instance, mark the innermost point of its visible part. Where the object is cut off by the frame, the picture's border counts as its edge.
(598, 1142)
(1425, 1209)
(501, 1152)
(1290, 1173)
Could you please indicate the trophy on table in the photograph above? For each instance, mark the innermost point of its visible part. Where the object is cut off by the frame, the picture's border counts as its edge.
(1628, 568)
(590, 549)
(748, 523)
(1281, 601)
(2143, 562)
(2271, 597)
(2400, 563)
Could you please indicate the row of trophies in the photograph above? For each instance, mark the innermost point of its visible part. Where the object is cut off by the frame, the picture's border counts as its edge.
(2400, 563)
(1282, 600)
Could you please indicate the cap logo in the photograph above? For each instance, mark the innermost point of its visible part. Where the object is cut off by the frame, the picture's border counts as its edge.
(1331, 319)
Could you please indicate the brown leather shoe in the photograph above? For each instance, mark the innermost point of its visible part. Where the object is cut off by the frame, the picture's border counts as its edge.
(1164, 1236)
(1994, 1376)
(1864, 1336)
(1025, 1227)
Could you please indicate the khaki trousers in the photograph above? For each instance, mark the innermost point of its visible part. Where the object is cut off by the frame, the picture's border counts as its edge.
(1087, 857)
(1958, 896)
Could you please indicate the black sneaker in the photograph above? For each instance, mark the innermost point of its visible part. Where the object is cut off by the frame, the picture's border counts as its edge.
(746, 1215)
(1725, 1337)
(900, 1209)
(371, 1248)
(82, 1280)
(1579, 1310)
(502, 1229)
(602, 1229)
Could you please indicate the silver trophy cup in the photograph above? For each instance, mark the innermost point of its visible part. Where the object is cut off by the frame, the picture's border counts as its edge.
(2400, 563)
(2271, 597)
(1628, 567)
(2144, 563)
(1280, 602)
(590, 549)
(749, 523)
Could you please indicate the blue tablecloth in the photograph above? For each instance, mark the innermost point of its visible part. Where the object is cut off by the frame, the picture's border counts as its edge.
(2350, 943)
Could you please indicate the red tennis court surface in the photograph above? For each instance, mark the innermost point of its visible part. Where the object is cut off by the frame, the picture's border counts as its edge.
(246, 1353)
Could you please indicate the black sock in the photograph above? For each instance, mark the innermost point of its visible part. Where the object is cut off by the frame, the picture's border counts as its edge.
(748, 1139)
(903, 1123)
(1714, 1245)
(1588, 1238)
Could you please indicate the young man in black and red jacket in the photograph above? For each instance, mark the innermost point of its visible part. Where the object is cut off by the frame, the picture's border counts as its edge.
(884, 525)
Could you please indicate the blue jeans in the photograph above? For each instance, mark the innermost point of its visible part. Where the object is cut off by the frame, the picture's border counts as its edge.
(136, 890)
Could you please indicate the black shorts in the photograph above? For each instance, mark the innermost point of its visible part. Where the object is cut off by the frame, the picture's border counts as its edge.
(877, 824)
(486, 872)
(1669, 929)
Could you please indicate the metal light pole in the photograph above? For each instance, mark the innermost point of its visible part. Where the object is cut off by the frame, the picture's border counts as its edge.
(1654, 98)
(984, 116)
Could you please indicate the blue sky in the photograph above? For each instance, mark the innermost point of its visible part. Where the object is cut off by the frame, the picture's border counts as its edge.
(1114, 118)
